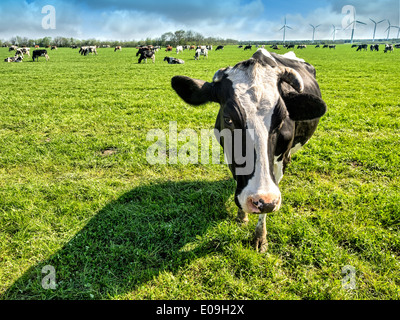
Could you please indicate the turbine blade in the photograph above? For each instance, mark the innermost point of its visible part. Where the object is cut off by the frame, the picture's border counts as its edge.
(289, 27)
(361, 22)
(380, 21)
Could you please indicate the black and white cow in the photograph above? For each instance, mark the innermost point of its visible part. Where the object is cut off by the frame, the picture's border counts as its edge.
(219, 48)
(40, 53)
(201, 52)
(16, 58)
(248, 47)
(272, 105)
(362, 47)
(172, 60)
(388, 47)
(145, 53)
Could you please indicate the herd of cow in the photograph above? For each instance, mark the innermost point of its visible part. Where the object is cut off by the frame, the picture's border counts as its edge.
(148, 51)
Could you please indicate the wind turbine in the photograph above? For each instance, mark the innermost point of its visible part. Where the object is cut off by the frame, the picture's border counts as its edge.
(388, 30)
(354, 27)
(376, 23)
(334, 32)
(314, 27)
(284, 30)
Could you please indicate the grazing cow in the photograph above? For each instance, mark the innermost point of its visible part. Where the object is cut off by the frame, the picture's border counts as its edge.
(118, 48)
(14, 59)
(219, 48)
(362, 47)
(37, 46)
(270, 106)
(192, 48)
(169, 48)
(74, 46)
(240, 47)
(289, 46)
(388, 47)
(172, 60)
(397, 46)
(275, 47)
(179, 49)
(374, 47)
(85, 50)
(53, 47)
(332, 46)
(201, 52)
(248, 47)
(40, 53)
(22, 51)
(12, 48)
(317, 46)
(301, 46)
(145, 53)
(325, 46)
(209, 47)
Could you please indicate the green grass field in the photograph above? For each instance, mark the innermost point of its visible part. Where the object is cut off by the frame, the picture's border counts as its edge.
(77, 193)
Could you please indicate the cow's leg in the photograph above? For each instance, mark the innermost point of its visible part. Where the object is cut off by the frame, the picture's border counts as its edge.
(260, 238)
(242, 216)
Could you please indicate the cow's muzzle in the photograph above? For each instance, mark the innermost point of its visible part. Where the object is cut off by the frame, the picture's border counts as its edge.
(264, 203)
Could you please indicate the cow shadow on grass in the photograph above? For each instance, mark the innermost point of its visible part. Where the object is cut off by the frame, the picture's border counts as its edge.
(129, 241)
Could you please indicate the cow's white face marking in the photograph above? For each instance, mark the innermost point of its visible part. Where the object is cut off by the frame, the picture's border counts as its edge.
(255, 87)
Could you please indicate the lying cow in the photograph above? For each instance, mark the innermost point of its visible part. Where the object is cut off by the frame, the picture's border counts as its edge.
(14, 59)
(270, 105)
(145, 53)
(201, 52)
(172, 60)
(40, 53)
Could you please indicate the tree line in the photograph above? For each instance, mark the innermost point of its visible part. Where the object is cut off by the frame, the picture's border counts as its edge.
(179, 37)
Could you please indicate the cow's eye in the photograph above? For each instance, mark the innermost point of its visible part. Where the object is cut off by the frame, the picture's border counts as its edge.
(228, 121)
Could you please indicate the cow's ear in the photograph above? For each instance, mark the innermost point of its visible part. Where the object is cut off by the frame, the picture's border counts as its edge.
(193, 91)
(304, 106)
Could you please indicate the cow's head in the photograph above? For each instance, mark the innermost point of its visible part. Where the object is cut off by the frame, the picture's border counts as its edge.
(264, 99)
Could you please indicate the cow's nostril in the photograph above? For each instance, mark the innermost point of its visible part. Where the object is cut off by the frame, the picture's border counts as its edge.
(264, 204)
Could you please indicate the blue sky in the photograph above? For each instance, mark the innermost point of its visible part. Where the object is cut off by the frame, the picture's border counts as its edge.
(237, 19)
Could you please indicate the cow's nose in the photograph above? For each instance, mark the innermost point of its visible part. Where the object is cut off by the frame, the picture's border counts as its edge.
(264, 203)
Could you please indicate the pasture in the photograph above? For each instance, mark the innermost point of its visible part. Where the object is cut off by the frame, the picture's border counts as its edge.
(77, 193)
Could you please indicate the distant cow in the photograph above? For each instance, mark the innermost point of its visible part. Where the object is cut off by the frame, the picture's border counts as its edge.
(85, 50)
(301, 46)
(275, 47)
(209, 47)
(172, 60)
(14, 59)
(118, 48)
(397, 46)
(248, 47)
(388, 47)
(317, 46)
(219, 48)
(74, 46)
(362, 47)
(289, 46)
(325, 46)
(37, 46)
(332, 46)
(374, 47)
(169, 48)
(22, 51)
(40, 53)
(53, 47)
(145, 53)
(201, 52)
(179, 49)
(13, 48)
